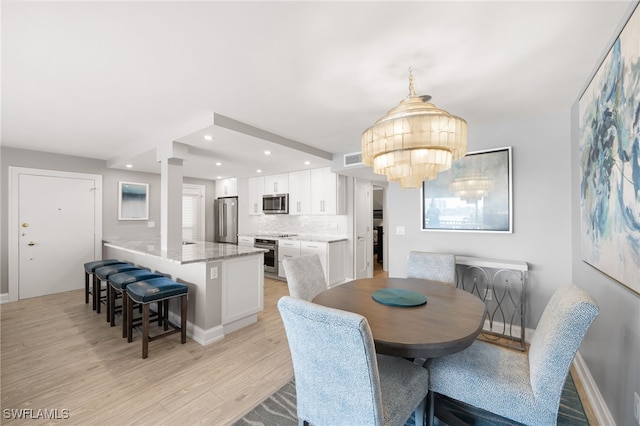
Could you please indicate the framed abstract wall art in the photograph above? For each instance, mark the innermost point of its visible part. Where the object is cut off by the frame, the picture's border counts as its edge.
(474, 195)
(133, 201)
(609, 119)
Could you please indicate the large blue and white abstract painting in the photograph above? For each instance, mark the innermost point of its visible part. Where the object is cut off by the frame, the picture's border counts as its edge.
(609, 117)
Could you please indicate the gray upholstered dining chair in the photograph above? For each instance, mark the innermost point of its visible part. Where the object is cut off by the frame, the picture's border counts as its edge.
(305, 276)
(525, 387)
(432, 266)
(338, 376)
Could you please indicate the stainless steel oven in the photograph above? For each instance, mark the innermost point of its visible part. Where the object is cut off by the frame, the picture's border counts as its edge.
(270, 257)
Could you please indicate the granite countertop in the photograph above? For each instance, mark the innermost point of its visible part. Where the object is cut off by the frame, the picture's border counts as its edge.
(316, 238)
(300, 237)
(189, 253)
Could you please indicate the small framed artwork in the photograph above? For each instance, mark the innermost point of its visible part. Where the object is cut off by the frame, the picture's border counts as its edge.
(133, 201)
(474, 195)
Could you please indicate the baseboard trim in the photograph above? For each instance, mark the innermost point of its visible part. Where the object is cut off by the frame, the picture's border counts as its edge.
(238, 324)
(197, 334)
(4, 298)
(600, 409)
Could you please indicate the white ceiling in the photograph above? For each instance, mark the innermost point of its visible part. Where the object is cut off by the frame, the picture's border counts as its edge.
(114, 80)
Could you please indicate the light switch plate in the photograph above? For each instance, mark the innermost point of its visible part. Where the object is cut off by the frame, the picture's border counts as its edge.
(399, 230)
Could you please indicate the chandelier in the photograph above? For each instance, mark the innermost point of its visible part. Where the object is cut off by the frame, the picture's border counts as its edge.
(414, 141)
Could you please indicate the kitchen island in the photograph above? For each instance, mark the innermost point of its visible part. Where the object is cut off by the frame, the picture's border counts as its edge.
(226, 281)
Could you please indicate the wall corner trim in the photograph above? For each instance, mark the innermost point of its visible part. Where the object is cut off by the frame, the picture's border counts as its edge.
(600, 409)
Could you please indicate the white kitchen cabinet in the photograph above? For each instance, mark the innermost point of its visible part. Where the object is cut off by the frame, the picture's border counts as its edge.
(328, 192)
(287, 249)
(336, 255)
(276, 184)
(300, 192)
(256, 191)
(227, 187)
(332, 258)
(245, 240)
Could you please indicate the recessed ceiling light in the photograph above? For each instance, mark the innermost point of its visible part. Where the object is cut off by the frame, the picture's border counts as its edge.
(258, 171)
(218, 177)
(306, 163)
(128, 166)
(218, 163)
(208, 137)
(267, 152)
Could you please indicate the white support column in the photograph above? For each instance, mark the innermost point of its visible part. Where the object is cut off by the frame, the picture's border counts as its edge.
(170, 159)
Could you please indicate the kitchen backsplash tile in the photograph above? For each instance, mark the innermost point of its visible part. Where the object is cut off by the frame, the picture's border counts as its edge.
(308, 225)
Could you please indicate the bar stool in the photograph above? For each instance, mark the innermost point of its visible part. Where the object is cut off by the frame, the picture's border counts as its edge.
(119, 283)
(159, 290)
(89, 268)
(102, 274)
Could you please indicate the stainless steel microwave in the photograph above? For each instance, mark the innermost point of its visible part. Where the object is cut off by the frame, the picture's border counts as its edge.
(275, 204)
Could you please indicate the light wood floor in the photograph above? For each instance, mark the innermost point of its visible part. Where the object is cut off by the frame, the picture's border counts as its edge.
(56, 353)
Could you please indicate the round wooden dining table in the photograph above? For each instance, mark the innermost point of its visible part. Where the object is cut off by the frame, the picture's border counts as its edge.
(449, 322)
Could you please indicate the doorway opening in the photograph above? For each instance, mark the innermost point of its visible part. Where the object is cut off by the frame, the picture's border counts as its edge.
(193, 218)
(379, 245)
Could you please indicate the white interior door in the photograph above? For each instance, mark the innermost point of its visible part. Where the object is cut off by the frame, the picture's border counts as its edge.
(363, 229)
(54, 223)
(193, 212)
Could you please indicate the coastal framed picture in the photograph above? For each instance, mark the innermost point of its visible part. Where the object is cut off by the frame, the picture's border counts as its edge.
(474, 195)
(609, 119)
(133, 201)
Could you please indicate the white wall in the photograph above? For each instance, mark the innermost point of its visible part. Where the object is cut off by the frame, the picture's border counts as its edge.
(541, 209)
(611, 348)
(111, 226)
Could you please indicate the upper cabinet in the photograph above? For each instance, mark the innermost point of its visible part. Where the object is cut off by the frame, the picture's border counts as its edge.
(300, 192)
(328, 192)
(316, 191)
(256, 191)
(276, 184)
(227, 187)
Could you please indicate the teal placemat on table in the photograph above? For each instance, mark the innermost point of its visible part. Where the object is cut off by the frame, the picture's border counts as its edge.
(399, 297)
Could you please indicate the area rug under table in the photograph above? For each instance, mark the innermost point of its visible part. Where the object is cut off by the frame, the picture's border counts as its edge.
(280, 410)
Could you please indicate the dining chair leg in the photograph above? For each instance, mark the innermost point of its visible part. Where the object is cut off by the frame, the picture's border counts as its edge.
(108, 302)
(125, 313)
(183, 319)
(112, 305)
(129, 320)
(165, 314)
(145, 330)
(419, 413)
(86, 288)
(430, 411)
(95, 287)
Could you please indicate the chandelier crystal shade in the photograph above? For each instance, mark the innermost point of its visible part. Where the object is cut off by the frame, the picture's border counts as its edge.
(414, 141)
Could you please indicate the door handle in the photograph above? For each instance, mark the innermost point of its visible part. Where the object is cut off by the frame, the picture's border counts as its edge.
(224, 220)
(31, 243)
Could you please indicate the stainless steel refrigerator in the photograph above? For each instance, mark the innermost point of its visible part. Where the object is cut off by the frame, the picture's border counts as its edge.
(226, 211)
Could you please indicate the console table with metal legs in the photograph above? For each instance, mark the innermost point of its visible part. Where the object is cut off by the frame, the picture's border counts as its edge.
(501, 284)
